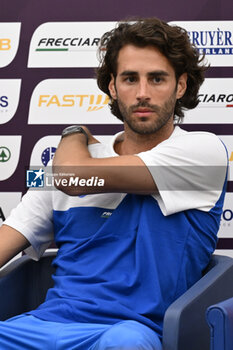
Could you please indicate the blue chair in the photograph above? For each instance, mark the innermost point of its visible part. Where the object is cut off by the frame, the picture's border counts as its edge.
(185, 326)
(220, 320)
(24, 282)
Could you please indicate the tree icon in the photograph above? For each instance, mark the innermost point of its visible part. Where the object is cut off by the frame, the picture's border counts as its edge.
(5, 154)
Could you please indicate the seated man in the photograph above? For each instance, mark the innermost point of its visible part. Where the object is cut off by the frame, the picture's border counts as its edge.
(132, 245)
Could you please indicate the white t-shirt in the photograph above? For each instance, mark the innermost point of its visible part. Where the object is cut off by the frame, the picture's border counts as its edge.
(189, 169)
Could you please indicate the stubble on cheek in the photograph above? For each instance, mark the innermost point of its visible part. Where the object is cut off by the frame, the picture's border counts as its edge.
(145, 125)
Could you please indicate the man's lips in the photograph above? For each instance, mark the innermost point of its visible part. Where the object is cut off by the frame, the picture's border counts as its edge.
(143, 111)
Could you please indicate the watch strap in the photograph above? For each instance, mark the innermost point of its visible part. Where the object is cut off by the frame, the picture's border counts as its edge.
(72, 129)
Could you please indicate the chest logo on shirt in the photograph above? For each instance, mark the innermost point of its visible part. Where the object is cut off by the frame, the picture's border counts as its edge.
(106, 214)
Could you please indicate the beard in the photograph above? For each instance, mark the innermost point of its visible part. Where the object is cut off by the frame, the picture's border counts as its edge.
(143, 126)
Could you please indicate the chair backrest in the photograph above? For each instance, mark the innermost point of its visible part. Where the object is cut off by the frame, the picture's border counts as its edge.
(24, 284)
(185, 326)
(39, 280)
(220, 320)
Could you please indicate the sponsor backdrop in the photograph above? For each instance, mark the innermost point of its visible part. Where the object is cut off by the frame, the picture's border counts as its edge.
(47, 80)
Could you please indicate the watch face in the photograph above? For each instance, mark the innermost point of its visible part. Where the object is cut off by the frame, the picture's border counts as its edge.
(72, 129)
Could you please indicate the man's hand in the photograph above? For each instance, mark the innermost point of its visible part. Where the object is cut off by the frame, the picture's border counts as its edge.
(91, 138)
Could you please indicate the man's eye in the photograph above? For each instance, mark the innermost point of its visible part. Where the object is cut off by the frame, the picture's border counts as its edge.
(130, 79)
(157, 80)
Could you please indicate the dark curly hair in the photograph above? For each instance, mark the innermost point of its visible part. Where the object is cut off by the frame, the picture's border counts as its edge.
(172, 41)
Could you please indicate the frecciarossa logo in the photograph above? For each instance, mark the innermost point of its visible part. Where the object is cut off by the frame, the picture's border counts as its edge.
(215, 103)
(216, 92)
(67, 44)
(226, 100)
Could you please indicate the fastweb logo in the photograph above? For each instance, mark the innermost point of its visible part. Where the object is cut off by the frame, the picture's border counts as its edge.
(9, 42)
(92, 102)
(5, 44)
(69, 101)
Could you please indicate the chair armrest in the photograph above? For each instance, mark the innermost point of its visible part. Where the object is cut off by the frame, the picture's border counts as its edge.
(21, 284)
(186, 316)
(220, 320)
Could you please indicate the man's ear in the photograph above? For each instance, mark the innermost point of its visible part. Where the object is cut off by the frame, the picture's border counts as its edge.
(112, 88)
(181, 85)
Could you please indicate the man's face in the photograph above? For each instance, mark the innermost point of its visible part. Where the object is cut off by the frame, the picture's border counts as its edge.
(145, 88)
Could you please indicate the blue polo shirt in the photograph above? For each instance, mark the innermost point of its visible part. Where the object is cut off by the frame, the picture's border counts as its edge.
(127, 256)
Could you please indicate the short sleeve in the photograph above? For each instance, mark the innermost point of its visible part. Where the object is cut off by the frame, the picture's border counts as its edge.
(33, 219)
(189, 170)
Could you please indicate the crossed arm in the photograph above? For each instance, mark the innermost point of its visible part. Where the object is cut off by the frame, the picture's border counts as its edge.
(124, 173)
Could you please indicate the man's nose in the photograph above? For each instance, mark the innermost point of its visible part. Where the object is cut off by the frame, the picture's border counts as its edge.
(143, 91)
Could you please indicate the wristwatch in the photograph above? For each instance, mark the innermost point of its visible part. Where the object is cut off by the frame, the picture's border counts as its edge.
(73, 129)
